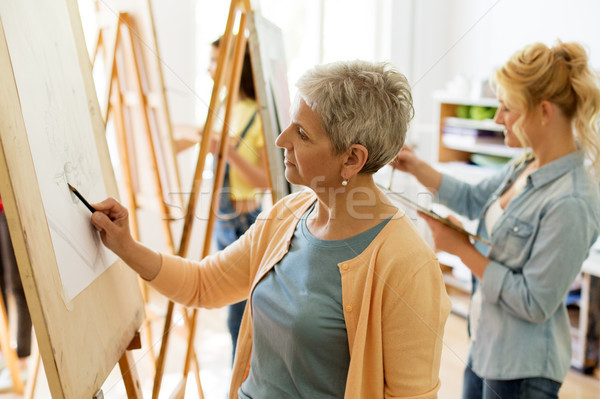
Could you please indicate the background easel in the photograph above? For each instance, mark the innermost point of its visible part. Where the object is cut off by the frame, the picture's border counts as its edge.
(135, 103)
(223, 65)
(227, 75)
(124, 70)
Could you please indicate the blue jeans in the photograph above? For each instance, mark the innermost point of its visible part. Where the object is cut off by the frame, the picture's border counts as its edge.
(475, 387)
(226, 231)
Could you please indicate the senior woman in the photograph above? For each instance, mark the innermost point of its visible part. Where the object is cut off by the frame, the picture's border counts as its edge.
(344, 299)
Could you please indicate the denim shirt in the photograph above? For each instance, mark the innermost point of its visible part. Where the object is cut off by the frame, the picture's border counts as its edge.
(538, 247)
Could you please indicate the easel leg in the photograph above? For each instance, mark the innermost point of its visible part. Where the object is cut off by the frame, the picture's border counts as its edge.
(130, 376)
(129, 371)
(234, 80)
(147, 324)
(160, 362)
(190, 323)
(190, 357)
(179, 391)
(34, 369)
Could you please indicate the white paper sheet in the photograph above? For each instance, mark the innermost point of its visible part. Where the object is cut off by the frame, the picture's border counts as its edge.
(60, 132)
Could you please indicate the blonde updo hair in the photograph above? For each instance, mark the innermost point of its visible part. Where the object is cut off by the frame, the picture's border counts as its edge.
(360, 102)
(561, 75)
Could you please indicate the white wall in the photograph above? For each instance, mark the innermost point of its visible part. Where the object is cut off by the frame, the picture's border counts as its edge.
(474, 37)
(176, 35)
(508, 25)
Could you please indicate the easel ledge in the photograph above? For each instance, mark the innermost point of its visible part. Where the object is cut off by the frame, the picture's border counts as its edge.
(128, 371)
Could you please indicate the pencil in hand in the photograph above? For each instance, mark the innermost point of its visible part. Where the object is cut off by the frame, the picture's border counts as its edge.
(78, 195)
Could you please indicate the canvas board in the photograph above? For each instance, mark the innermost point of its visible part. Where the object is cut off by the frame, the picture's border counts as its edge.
(270, 76)
(85, 305)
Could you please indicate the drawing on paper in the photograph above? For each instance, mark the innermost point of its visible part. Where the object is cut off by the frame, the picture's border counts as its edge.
(62, 144)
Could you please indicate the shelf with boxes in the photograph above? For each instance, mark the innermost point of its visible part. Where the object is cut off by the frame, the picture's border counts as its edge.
(475, 136)
(467, 132)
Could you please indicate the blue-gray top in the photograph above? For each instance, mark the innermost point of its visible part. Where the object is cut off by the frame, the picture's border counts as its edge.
(300, 343)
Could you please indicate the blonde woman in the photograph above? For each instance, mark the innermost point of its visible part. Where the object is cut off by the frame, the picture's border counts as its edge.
(344, 298)
(540, 212)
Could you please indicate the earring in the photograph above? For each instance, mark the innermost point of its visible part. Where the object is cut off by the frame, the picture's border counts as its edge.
(345, 182)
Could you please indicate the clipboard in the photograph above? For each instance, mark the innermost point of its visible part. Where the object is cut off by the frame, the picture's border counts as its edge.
(435, 216)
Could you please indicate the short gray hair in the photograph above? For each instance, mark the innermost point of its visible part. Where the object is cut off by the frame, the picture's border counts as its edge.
(363, 103)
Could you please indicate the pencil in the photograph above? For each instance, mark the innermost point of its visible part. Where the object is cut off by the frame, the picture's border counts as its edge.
(87, 204)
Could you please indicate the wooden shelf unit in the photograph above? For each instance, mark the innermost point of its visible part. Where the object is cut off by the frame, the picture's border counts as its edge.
(447, 107)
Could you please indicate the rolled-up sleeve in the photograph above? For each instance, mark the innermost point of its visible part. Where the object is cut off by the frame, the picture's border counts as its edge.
(494, 280)
(215, 281)
(535, 291)
(469, 199)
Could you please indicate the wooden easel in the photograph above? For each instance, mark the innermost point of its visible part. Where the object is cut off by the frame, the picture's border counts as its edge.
(123, 44)
(124, 94)
(122, 61)
(127, 367)
(126, 363)
(110, 323)
(225, 60)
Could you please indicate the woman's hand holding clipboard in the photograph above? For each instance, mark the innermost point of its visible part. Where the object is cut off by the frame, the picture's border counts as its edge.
(430, 213)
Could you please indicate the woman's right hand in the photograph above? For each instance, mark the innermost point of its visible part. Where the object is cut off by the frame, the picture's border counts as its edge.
(406, 160)
(112, 221)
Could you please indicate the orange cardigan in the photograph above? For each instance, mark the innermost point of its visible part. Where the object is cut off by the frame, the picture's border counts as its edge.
(395, 302)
